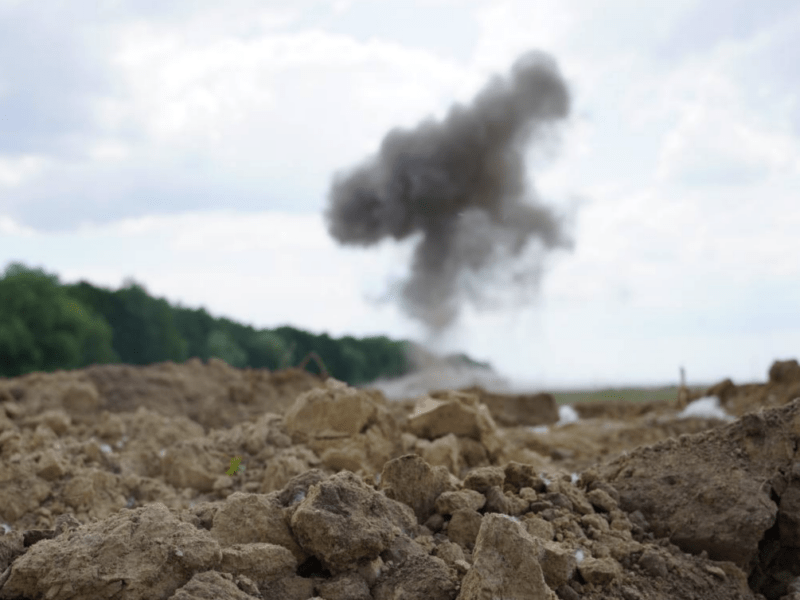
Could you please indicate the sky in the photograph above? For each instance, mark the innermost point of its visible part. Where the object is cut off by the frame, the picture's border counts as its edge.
(193, 146)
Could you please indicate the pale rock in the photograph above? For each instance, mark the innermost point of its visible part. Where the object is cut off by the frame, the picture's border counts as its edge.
(288, 463)
(449, 502)
(412, 481)
(599, 571)
(370, 570)
(457, 413)
(247, 518)
(558, 563)
(94, 488)
(292, 587)
(505, 564)
(81, 397)
(515, 410)
(463, 527)
(462, 567)
(483, 478)
(211, 584)
(519, 476)
(346, 586)
(60, 422)
(194, 463)
(347, 427)
(445, 452)
(418, 576)
(601, 500)
(260, 562)
(579, 501)
(507, 504)
(538, 527)
(343, 521)
(50, 466)
(594, 524)
(148, 548)
(449, 552)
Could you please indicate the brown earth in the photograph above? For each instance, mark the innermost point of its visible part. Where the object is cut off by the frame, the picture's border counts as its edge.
(114, 484)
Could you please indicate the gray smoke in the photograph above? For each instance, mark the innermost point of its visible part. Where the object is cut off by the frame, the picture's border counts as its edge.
(460, 183)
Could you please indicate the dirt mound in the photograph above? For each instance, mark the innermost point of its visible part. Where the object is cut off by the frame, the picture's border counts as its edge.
(201, 480)
(212, 394)
(722, 493)
(511, 410)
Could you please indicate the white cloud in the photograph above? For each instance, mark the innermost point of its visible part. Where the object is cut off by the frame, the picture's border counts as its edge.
(109, 150)
(11, 228)
(16, 170)
(184, 92)
(717, 141)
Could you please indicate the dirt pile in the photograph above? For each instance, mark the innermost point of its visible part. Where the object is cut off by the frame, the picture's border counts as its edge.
(114, 484)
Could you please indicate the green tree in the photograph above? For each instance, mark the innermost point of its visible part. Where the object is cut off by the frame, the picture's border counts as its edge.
(194, 326)
(144, 329)
(222, 345)
(355, 360)
(42, 328)
(266, 349)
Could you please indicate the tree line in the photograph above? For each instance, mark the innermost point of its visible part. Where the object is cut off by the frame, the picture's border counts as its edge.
(45, 326)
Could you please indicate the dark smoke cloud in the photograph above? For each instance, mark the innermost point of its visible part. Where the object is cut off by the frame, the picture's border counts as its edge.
(460, 183)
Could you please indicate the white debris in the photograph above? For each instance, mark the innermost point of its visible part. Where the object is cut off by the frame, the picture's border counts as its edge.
(566, 414)
(299, 497)
(706, 407)
(105, 448)
(539, 428)
(579, 556)
(574, 477)
(162, 453)
(6, 527)
(509, 517)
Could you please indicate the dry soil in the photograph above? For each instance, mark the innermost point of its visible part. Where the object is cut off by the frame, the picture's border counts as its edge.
(195, 480)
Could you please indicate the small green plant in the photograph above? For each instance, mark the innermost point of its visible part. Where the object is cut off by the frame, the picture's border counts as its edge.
(234, 465)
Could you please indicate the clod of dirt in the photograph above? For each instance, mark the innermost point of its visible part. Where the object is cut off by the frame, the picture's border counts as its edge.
(511, 410)
(505, 563)
(413, 482)
(253, 518)
(348, 428)
(343, 521)
(456, 413)
(143, 552)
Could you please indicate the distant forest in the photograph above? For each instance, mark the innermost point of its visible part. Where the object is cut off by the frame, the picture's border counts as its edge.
(46, 326)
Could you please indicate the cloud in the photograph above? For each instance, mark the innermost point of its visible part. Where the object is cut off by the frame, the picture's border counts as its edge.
(178, 111)
(712, 145)
(51, 69)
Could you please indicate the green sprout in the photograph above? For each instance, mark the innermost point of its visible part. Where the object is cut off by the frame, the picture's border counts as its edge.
(234, 465)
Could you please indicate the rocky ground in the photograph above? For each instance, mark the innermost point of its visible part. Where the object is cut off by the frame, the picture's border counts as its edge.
(194, 480)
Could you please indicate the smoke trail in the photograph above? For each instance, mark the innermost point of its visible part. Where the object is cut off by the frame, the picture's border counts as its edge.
(461, 184)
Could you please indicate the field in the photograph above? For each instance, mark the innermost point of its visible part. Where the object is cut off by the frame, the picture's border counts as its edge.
(632, 394)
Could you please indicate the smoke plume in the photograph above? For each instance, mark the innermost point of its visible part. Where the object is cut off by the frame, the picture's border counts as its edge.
(461, 184)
